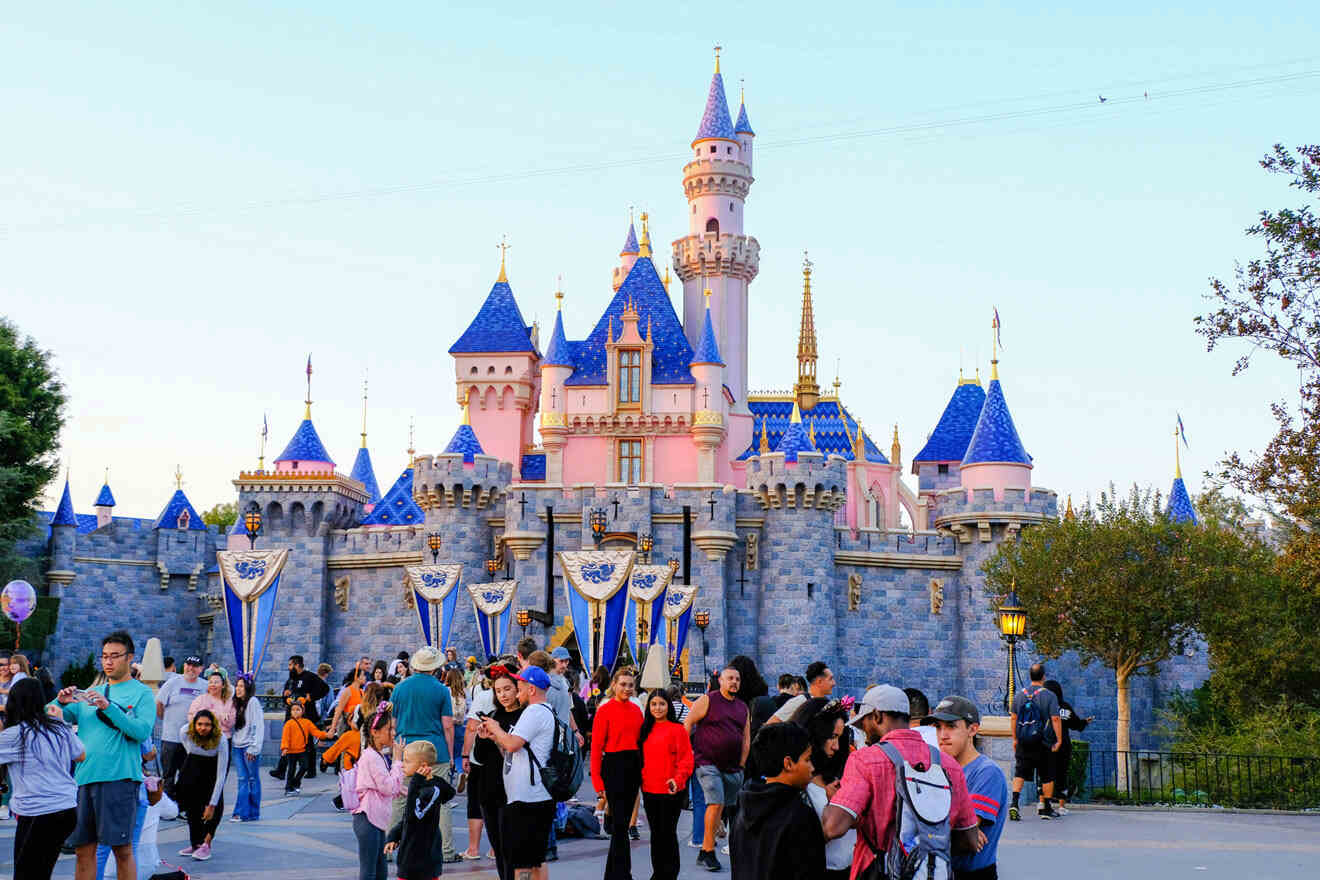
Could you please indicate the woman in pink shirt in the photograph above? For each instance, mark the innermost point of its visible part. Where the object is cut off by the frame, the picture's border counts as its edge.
(216, 700)
(379, 782)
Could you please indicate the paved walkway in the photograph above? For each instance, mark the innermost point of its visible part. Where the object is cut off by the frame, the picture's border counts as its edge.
(305, 839)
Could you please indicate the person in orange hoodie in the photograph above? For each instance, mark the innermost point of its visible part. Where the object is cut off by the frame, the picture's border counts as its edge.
(298, 733)
(666, 767)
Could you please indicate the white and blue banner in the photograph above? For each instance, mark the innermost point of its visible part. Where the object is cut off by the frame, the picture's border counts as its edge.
(250, 581)
(435, 595)
(597, 602)
(678, 620)
(646, 594)
(493, 603)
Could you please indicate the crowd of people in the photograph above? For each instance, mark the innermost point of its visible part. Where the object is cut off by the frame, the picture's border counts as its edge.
(799, 783)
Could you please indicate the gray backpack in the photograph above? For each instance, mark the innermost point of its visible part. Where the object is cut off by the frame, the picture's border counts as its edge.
(920, 845)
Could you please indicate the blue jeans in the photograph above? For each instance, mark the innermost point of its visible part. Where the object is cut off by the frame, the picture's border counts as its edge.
(247, 805)
(698, 811)
(371, 848)
(103, 851)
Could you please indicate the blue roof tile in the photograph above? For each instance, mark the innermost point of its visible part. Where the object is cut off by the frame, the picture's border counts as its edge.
(465, 441)
(630, 245)
(715, 121)
(708, 350)
(532, 468)
(305, 445)
(365, 474)
(498, 326)
(397, 508)
(835, 428)
(672, 353)
(169, 517)
(1180, 507)
(948, 442)
(559, 353)
(64, 515)
(795, 440)
(106, 498)
(995, 438)
(742, 126)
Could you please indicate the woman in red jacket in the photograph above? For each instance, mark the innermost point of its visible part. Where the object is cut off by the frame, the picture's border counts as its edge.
(616, 768)
(666, 766)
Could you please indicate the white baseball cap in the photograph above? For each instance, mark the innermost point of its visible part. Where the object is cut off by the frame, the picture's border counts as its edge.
(884, 698)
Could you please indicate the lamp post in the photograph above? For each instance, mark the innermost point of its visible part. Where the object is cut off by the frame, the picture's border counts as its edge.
(524, 617)
(701, 618)
(597, 519)
(1012, 623)
(492, 566)
(252, 523)
(433, 540)
(645, 542)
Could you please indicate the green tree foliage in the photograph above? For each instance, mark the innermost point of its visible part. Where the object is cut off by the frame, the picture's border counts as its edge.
(31, 416)
(222, 515)
(1120, 585)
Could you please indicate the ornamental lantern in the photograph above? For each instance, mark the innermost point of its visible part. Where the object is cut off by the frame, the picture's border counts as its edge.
(252, 523)
(433, 540)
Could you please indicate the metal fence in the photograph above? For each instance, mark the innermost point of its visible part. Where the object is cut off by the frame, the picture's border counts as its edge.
(1196, 778)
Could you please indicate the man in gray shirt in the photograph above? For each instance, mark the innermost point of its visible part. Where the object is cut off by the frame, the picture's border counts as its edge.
(172, 702)
(1035, 745)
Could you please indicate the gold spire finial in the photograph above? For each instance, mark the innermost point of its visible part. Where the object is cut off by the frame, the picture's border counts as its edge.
(859, 445)
(307, 413)
(1177, 454)
(718, 50)
(559, 293)
(364, 410)
(178, 477)
(742, 91)
(707, 295)
(811, 431)
(644, 247)
(1068, 513)
(806, 392)
(837, 361)
(412, 453)
(467, 415)
(107, 476)
(504, 248)
(994, 348)
(795, 418)
(764, 448)
(895, 450)
(666, 279)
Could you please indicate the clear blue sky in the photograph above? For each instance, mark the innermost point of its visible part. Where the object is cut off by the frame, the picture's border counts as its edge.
(195, 196)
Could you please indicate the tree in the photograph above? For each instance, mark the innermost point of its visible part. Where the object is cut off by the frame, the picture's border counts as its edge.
(223, 515)
(31, 416)
(1121, 585)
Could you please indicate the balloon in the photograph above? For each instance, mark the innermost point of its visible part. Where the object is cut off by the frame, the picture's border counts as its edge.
(18, 600)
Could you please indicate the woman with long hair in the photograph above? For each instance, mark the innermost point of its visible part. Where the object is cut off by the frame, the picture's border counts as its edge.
(380, 674)
(824, 720)
(666, 768)
(201, 785)
(349, 698)
(480, 700)
(249, 735)
(751, 685)
(38, 751)
(491, 792)
(379, 782)
(19, 668)
(217, 700)
(616, 767)
(1063, 757)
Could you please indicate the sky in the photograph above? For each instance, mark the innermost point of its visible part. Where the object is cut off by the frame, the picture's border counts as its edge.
(195, 197)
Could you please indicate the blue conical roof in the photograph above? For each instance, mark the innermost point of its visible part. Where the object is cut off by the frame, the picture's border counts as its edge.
(366, 475)
(795, 439)
(465, 441)
(630, 245)
(953, 432)
(169, 517)
(715, 121)
(559, 354)
(742, 126)
(498, 326)
(305, 445)
(1180, 507)
(397, 508)
(995, 438)
(708, 350)
(64, 515)
(105, 498)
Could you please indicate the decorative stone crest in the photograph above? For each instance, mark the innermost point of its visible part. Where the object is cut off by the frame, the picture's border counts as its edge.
(341, 592)
(753, 541)
(854, 591)
(936, 595)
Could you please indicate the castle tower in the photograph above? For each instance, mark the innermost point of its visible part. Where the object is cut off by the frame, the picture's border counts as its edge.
(806, 392)
(362, 471)
(63, 538)
(556, 367)
(996, 458)
(1180, 507)
(497, 373)
(465, 442)
(305, 451)
(105, 504)
(937, 464)
(716, 253)
(627, 256)
(708, 429)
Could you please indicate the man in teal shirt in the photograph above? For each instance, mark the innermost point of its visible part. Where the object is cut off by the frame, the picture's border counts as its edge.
(424, 709)
(113, 720)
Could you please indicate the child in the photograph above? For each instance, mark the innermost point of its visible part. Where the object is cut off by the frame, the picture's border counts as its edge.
(415, 835)
(777, 835)
(379, 782)
(298, 734)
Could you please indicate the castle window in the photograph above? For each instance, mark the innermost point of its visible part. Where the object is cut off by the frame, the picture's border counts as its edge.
(630, 377)
(630, 461)
(490, 371)
(713, 148)
(728, 150)
(508, 371)
(474, 371)
(944, 470)
(713, 225)
(730, 206)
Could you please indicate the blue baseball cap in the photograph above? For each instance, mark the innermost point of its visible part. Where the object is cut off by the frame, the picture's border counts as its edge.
(560, 653)
(536, 677)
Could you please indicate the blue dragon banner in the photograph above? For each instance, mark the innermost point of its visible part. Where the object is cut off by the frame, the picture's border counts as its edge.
(593, 581)
(250, 581)
(646, 592)
(435, 596)
(493, 603)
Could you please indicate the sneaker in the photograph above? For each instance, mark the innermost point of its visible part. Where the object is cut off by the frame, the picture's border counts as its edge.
(275, 775)
(187, 851)
(1014, 815)
(202, 853)
(708, 861)
(725, 849)
(694, 845)
(634, 834)
(1062, 811)
(472, 857)
(1047, 814)
(292, 792)
(452, 858)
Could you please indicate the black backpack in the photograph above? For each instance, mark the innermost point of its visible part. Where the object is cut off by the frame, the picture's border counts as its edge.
(1030, 721)
(564, 771)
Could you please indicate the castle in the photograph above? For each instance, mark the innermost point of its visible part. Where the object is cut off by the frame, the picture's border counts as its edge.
(801, 534)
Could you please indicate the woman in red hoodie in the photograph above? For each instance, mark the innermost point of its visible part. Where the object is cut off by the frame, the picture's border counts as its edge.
(616, 768)
(666, 766)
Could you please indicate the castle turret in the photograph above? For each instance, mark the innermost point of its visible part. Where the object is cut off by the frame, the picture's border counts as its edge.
(362, 471)
(305, 452)
(556, 367)
(63, 539)
(627, 256)
(996, 458)
(105, 504)
(937, 464)
(795, 439)
(497, 373)
(716, 253)
(742, 129)
(465, 442)
(708, 429)
(1180, 507)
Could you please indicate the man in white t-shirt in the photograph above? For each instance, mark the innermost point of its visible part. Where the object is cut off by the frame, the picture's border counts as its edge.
(820, 683)
(172, 702)
(525, 819)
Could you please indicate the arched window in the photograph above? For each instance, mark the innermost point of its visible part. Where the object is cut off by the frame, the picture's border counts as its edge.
(490, 371)
(713, 225)
(474, 371)
(508, 371)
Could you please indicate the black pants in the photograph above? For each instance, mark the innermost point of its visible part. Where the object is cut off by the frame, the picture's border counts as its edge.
(37, 843)
(309, 760)
(622, 774)
(297, 768)
(490, 813)
(838, 874)
(171, 759)
(662, 811)
(1062, 758)
(989, 872)
(199, 828)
